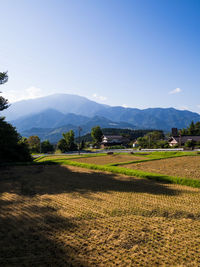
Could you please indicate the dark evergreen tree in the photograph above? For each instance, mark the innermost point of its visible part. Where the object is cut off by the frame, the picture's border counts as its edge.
(12, 146)
(46, 147)
(3, 102)
(191, 129)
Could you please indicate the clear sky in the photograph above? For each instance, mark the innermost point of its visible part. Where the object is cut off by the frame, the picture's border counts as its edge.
(137, 53)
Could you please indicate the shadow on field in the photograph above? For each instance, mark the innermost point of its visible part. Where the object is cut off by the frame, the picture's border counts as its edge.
(56, 179)
(29, 236)
(30, 227)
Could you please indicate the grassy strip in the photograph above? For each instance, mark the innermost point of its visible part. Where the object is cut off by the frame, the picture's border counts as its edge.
(60, 157)
(135, 173)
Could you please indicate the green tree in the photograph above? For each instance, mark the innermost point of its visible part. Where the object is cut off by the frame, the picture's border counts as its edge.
(69, 139)
(3, 102)
(197, 128)
(162, 144)
(184, 131)
(46, 147)
(191, 129)
(97, 135)
(12, 146)
(143, 142)
(62, 145)
(67, 142)
(152, 140)
(190, 144)
(34, 144)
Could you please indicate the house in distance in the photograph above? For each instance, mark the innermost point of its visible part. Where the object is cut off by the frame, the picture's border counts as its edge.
(113, 140)
(180, 140)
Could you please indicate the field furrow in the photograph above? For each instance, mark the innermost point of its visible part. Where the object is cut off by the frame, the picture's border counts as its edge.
(56, 215)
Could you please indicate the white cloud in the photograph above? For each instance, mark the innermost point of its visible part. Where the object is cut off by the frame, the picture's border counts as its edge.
(29, 93)
(183, 108)
(33, 92)
(175, 91)
(98, 97)
(124, 106)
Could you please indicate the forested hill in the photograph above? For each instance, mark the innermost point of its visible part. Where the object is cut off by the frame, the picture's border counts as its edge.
(63, 104)
(131, 134)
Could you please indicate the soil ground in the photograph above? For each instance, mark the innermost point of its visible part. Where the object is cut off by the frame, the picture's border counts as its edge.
(69, 216)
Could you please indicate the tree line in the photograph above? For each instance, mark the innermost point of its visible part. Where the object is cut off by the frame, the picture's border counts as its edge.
(65, 144)
(192, 129)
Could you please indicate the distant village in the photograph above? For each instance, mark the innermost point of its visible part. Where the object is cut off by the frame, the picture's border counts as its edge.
(112, 138)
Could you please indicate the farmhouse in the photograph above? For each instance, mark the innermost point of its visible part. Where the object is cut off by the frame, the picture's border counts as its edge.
(182, 139)
(112, 140)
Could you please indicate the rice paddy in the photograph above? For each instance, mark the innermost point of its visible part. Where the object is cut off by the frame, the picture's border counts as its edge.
(60, 215)
(109, 159)
(188, 167)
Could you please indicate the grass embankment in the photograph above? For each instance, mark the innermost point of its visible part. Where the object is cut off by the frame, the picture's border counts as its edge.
(66, 157)
(126, 171)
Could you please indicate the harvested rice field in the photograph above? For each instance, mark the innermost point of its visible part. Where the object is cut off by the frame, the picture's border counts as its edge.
(60, 157)
(53, 215)
(108, 159)
(188, 167)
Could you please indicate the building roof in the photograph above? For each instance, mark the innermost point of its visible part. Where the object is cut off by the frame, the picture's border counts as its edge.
(185, 138)
(114, 139)
(113, 136)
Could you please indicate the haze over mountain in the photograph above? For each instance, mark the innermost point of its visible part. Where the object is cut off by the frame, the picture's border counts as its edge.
(65, 103)
(63, 109)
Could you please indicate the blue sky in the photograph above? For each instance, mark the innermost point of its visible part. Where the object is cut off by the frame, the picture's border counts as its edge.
(137, 53)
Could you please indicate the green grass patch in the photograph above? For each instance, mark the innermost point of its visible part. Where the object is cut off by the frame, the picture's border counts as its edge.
(171, 154)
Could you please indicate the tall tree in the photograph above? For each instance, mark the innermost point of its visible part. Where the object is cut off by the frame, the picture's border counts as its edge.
(197, 128)
(152, 140)
(69, 139)
(12, 146)
(3, 102)
(67, 142)
(96, 134)
(46, 147)
(34, 144)
(191, 129)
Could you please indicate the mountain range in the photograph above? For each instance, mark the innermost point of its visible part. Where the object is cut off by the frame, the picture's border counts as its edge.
(51, 115)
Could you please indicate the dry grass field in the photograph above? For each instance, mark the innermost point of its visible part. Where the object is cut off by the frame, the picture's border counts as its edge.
(108, 159)
(53, 215)
(188, 167)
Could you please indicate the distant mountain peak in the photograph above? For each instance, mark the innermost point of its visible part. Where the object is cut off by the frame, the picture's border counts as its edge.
(53, 109)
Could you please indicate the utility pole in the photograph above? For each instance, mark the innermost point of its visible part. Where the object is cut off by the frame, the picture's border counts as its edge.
(40, 147)
(79, 138)
(149, 141)
(180, 141)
